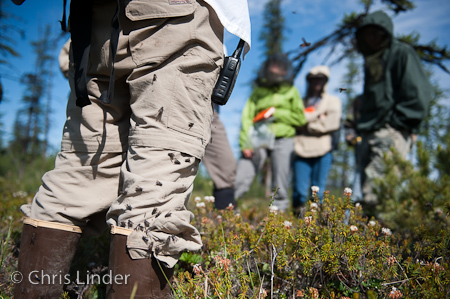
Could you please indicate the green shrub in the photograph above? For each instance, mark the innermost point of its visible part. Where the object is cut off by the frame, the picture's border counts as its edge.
(332, 251)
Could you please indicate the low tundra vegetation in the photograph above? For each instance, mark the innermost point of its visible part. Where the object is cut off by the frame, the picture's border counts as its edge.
(327, 250)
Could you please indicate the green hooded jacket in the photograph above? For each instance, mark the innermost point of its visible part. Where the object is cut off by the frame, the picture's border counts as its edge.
(288, 111)
(402, 96)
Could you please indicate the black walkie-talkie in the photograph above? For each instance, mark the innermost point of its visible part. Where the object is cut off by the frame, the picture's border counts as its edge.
(227, 77)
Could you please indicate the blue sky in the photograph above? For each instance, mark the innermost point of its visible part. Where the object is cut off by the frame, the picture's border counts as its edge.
(304, 18)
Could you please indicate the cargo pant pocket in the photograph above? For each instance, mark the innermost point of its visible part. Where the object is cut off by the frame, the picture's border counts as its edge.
(157, 29)
(190, 108)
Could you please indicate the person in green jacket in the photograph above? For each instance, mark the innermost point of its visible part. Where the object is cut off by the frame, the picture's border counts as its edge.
(395, 99)
(269, 121)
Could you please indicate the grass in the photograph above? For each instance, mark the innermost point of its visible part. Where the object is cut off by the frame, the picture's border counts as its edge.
(4, 245)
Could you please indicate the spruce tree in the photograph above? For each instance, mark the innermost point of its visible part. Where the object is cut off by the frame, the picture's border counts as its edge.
(28, 142)
(272, 33)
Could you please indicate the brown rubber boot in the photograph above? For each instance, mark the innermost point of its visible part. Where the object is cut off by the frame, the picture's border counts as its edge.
(145, 273)
(44, 260)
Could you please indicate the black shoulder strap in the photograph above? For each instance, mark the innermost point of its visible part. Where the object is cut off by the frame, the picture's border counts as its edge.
(113, 42)
(63, 21)
(80, 30)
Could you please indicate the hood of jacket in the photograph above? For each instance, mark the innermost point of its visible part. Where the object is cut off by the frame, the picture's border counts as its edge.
(379, 19)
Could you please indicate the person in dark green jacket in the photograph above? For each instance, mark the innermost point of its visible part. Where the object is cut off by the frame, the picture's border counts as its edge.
(269, 121)
(395, 99)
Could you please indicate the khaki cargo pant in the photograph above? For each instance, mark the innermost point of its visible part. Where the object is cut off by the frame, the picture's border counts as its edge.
(135, 160)
(219, 159)
(372, 149)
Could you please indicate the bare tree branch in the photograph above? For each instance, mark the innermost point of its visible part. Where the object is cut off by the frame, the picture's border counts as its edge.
(430, 53)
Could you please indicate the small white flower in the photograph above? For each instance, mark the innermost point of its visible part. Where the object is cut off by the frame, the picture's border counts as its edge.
(314, 205)
(354, 228)
(200, 205)
(395, 294)
(315, 189)
(348, 191)
(357, 205)
(386, 231)
(437, 267)
(308, 219)
(287, 224)
(230, 206)
(197, 269)
(210, 198)
(273, 209)
(20, 194)
(372, 223)
(197, 199)
(219, 217)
